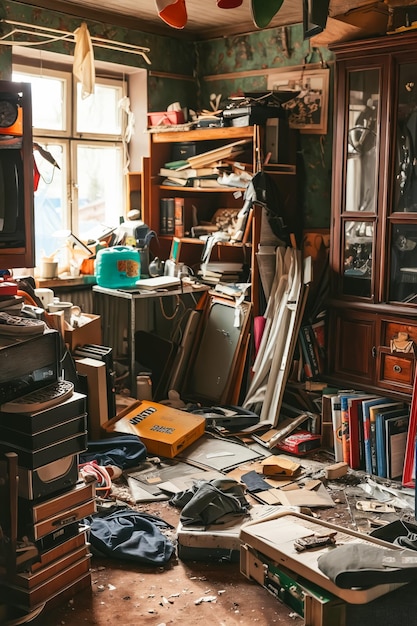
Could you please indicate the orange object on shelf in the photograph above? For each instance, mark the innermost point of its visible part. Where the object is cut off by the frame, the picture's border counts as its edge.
(16, 128)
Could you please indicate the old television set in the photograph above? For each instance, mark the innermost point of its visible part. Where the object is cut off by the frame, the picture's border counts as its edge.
(16, 176)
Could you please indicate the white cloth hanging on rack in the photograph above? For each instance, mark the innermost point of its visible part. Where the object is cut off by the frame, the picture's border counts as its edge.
(124, 105)
(83, 68)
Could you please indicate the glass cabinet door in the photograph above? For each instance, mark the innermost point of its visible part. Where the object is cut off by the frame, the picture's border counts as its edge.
(405, 183)
(362, 144)
(359, 244)
(403, 209)
(403, 276)
(361, 181)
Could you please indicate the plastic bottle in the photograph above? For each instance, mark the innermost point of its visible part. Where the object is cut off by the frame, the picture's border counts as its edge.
(143, 387)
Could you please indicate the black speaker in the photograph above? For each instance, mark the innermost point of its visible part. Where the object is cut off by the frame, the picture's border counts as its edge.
(315, 13)
(28, 364)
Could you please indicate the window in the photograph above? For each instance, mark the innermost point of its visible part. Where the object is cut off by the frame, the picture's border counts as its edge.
(84, 193)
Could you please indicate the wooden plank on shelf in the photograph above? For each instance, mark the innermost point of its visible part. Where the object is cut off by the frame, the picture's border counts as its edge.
(220, 188)
(223, 152)
(204, 134)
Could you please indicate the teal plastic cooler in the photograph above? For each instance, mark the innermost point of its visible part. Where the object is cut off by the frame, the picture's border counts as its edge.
(117, 267)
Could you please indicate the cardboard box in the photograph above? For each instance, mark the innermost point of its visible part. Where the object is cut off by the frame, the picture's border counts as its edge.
(88, 333)
(165, 118)
(164, 431)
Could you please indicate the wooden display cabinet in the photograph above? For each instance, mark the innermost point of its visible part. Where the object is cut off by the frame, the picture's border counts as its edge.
(374, 216)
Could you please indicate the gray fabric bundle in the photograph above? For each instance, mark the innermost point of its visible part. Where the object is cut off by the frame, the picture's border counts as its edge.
(359, 565)
(207, 501)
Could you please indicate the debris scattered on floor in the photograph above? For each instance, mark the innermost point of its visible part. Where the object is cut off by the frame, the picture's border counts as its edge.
(205, 599)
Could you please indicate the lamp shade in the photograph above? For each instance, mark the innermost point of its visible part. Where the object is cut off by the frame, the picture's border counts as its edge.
(229, 4)
(264, 10)
(173, 12)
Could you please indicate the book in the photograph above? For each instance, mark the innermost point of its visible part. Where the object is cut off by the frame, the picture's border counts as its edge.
(223, 152)
(209, 273)
(307, 344)
(319, 331)
(213, 280)
(167, 216)
(306, 369)
(226, 266)
(179, 217)
(176, 165)
(344, 423)
(233, 289)
(158, 282)
(210, 180)
(9, 302)
(173, 181)
(300, 442)
(206, 182)
(356, 443)
(186, 173)
(373, 411)
(208, 280)
(380, 435)
(396, 430)
(366, 405)
(337, 431)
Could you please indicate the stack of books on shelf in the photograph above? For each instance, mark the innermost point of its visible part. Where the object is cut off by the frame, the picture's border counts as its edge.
(312, 349)
(369, 431)
(188, 177)
(212, 273)
(202, 170)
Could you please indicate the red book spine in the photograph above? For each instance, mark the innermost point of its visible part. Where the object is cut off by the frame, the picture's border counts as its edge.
(354, 439)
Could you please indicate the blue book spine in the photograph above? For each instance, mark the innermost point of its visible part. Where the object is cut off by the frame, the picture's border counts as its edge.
(367, 442)
(380, 445)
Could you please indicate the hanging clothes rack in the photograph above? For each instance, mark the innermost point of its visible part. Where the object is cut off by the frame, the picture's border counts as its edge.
(49, 35)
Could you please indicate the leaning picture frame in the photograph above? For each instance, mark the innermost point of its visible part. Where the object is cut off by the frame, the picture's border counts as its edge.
(308, 110)
(409, 471)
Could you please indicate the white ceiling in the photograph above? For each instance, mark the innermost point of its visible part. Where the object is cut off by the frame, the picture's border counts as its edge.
(205, 18)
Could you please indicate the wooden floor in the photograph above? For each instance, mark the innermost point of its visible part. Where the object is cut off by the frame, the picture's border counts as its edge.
(211, 593)
(185, 593)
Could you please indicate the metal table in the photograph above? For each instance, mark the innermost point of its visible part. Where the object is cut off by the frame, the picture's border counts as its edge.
(130, 310)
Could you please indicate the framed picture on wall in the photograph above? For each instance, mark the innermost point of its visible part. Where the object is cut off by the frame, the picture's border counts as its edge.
(308, 110)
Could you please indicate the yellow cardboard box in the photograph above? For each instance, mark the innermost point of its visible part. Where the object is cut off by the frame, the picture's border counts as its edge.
(164, 431)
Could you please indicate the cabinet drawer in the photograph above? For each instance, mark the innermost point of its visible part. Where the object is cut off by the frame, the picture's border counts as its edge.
(391, 330)
(397, 370)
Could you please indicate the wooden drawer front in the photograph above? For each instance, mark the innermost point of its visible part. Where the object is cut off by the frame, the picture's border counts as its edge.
(353, 340)
(391, 330)
(397, 369)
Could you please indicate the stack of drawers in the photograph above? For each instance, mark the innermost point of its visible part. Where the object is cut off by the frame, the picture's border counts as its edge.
(52, 501)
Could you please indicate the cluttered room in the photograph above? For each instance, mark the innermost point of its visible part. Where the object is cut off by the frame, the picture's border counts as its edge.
(208, 335)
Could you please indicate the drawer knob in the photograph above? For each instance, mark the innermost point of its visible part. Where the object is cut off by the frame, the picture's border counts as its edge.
(397, 369)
